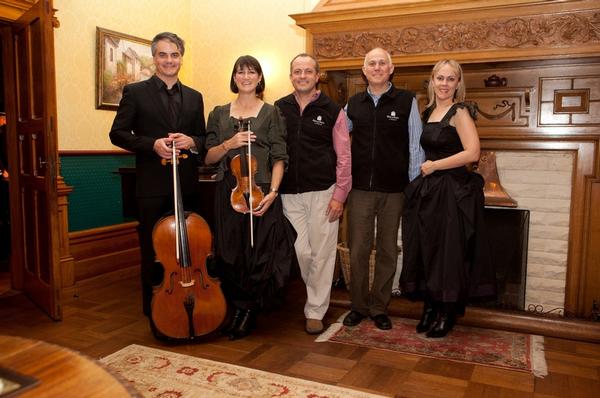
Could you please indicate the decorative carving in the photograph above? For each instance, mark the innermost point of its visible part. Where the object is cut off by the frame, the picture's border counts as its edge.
(495, 81)
(539, 309)
(55, 21)
(501, 106)
(510, 108)
(510, 33)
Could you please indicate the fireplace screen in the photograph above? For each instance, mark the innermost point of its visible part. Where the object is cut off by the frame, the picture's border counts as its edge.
(508, 230)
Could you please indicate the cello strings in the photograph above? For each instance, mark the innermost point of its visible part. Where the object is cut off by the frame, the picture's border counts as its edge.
(175, 198)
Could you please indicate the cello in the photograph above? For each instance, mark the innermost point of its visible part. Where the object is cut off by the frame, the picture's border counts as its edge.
(188, 303)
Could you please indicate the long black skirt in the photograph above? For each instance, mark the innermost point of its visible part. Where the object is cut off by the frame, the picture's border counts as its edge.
(446, 256)
(252, 277)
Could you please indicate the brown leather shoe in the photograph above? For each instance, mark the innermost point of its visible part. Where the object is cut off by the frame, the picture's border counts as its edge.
(314, 326)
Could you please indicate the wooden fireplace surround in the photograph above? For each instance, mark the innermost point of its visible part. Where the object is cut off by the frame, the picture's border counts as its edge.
(548, 52)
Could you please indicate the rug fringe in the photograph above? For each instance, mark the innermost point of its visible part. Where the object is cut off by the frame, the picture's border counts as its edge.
(539, 367)
(341, 318)
(331, 330)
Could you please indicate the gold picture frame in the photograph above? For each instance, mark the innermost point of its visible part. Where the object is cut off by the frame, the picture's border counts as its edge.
(120, 59)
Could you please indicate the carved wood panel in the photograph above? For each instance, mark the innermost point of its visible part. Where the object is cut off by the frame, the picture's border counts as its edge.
(570, 101)
(501, 107)
(536, 31)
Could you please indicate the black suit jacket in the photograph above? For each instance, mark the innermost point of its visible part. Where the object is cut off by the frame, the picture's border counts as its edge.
(141, 119)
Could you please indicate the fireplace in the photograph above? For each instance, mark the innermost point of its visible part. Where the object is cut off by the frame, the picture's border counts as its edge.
(508, 229)
(541, 181)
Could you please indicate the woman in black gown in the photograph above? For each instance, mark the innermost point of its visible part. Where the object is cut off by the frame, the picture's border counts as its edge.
(446, 258)
(252, 275)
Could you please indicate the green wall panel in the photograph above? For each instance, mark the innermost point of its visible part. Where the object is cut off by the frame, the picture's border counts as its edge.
(96, 200)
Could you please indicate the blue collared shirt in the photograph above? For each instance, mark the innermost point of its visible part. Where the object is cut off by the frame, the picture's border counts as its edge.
(416, 154)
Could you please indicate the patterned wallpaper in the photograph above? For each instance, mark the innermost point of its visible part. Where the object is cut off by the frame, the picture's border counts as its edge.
(216, 33)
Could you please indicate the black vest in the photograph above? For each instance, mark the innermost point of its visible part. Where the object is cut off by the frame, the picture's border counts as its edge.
(380, 143)
(312, 162)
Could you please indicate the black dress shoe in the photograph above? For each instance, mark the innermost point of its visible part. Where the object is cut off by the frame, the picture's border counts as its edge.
(353, 318)
(427, 318)
(442, 326)
(382, 321)
(245, 326)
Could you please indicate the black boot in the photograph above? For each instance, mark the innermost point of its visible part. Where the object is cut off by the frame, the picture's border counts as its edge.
(444, 323)
(428, 317)
(234, 323)
(245, 326)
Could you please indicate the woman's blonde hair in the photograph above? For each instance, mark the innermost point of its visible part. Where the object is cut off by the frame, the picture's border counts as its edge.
(459, 94)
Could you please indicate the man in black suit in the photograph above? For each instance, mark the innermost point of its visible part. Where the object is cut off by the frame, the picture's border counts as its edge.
(153, 115)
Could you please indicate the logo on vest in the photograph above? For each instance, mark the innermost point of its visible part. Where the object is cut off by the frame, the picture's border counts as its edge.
(392, 116)
(318, 121)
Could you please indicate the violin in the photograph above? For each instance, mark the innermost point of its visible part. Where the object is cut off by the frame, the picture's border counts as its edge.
(189, 302)
(246, 196)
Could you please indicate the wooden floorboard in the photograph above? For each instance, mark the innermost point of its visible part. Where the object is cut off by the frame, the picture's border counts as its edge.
(103, 319)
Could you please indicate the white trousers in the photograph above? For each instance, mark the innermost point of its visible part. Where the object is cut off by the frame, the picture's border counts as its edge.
(315, 246)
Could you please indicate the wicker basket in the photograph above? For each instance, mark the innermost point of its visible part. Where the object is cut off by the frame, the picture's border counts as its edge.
(344, 259)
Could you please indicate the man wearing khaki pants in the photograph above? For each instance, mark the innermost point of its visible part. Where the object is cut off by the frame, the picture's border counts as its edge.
(317, 181)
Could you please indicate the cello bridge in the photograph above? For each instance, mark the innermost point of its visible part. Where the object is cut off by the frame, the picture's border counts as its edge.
(187, 284)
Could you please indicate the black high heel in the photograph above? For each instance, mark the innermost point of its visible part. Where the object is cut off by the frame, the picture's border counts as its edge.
(444, 323)
(245, 325)
(428, 317)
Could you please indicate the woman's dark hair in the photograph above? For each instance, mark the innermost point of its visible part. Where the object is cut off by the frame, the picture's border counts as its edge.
(247, 61)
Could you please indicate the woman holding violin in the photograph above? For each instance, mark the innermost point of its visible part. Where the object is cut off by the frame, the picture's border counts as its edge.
(254, 242)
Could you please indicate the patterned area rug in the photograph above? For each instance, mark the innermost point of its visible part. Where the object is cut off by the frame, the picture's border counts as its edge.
(162, 374)
(515, 351)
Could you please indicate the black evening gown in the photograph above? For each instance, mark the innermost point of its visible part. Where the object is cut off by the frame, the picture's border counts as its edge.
(253, 277)
(446, 256)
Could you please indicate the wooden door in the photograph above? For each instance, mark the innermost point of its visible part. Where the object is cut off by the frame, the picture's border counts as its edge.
(35, 157)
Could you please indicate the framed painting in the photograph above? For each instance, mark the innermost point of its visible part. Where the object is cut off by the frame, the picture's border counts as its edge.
(120, 59)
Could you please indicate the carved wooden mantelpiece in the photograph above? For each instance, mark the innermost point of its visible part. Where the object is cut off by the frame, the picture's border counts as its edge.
(418, 33)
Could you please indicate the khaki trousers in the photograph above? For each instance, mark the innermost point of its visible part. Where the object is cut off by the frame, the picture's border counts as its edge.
(315, 246)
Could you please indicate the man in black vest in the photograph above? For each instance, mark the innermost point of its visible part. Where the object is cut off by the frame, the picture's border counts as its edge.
(316, 183)
(153, 115)
(386, 129)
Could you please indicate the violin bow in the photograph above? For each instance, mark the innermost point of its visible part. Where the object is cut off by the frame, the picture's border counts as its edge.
(250, 185)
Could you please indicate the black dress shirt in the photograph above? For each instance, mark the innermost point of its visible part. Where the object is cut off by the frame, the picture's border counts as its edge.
(171, 99)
